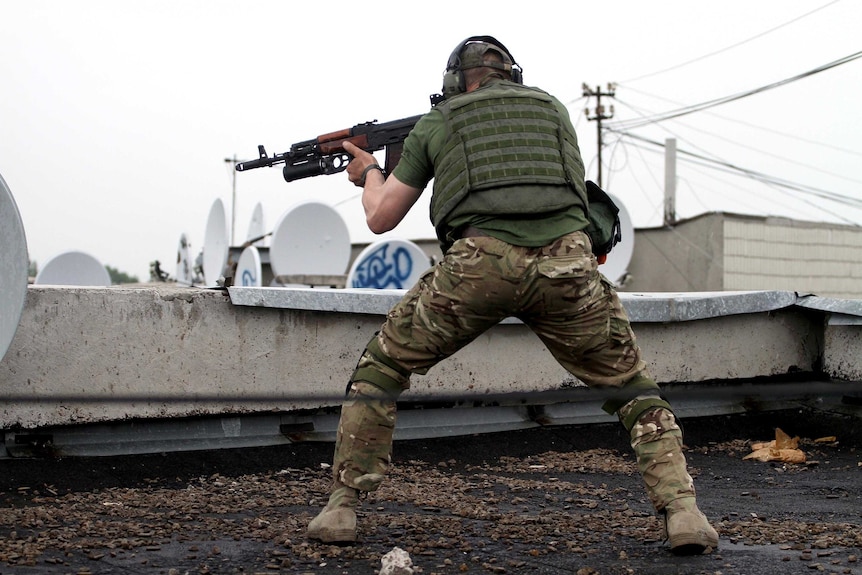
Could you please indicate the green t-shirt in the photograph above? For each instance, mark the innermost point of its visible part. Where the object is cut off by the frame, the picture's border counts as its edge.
(416, 169)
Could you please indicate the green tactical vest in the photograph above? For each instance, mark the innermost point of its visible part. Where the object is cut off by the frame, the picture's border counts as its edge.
(507, 153)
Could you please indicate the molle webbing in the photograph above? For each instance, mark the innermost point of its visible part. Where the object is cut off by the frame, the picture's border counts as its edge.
(509, 140)
(502, 137)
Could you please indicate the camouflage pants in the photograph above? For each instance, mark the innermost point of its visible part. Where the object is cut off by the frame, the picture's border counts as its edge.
(363, 445)
(657, 442)
(556, 290)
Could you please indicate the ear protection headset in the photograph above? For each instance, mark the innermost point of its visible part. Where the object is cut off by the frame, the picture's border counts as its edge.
(453, 79)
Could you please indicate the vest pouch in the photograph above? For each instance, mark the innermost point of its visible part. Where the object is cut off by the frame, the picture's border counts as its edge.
(605, 230)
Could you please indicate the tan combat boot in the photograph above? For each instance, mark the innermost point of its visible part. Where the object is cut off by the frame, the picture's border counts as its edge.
(657, 442)
(687, 529)
(337, 522)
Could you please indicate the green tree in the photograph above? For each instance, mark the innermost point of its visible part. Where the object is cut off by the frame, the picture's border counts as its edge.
(118, 277)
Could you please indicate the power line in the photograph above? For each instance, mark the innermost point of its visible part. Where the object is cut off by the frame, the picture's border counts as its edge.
(796, 163)
(709, 55)
(804, 213)
(694, 164)
(637, 181)
(634, 124)
(760, 176)
(741, 122)
(757, 176)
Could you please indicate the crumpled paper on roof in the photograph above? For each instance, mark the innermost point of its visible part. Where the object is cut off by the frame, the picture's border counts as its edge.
(782, 448)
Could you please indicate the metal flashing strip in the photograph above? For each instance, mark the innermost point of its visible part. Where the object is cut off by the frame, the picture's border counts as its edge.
(641, 307)
(689, 306)
(841, 311)
(368, 301)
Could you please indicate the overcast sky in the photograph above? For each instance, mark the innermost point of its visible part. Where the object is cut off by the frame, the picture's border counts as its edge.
(116, 117)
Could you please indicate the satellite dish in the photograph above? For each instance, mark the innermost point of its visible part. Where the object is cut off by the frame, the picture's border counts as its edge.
(215, 244)
(15, 263)
(388, 264)
(256, 226)
(73, 268)
(249, 272)
(617, 264)
(184, 262)
(310, 238)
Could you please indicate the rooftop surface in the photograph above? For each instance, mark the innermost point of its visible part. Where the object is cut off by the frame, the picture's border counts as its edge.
(555, 500)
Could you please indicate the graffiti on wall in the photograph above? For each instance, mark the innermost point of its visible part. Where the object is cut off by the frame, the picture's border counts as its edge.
(392, 264)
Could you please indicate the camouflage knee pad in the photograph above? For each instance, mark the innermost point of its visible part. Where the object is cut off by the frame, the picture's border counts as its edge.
(363, 446)
(635, 397)
(630, 412)
(376, 368)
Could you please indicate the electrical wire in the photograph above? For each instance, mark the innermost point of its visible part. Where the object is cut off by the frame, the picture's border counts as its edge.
(736, 45)
(634, 124)
(655, 206)
(710, 173)
(825, 194)
(743, 123)
(762, 178)
(783, 185)
(794, 162)
(694, 193)
(765, 179)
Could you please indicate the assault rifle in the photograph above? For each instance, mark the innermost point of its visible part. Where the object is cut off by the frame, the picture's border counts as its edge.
(325, 154)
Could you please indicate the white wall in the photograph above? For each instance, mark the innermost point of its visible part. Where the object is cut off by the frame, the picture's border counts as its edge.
(780, 254)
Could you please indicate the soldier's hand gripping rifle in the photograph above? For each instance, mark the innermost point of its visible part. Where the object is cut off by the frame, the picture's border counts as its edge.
(325, 154)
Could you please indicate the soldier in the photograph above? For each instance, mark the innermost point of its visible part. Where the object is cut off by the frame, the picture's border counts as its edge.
(508, 206)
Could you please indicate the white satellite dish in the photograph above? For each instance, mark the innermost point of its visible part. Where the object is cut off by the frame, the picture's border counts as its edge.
(256, 227)
(617, 264)
(216, 242)
(73, 268)
(15, 263)
(388, 264)
(184, 262)
(310, 238)
(249, 272)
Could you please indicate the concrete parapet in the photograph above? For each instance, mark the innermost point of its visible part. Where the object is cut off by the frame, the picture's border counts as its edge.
(90, 355)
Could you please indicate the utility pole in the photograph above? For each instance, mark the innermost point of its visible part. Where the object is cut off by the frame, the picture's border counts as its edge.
(233, 161)
(670, 181)
(599, 115)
